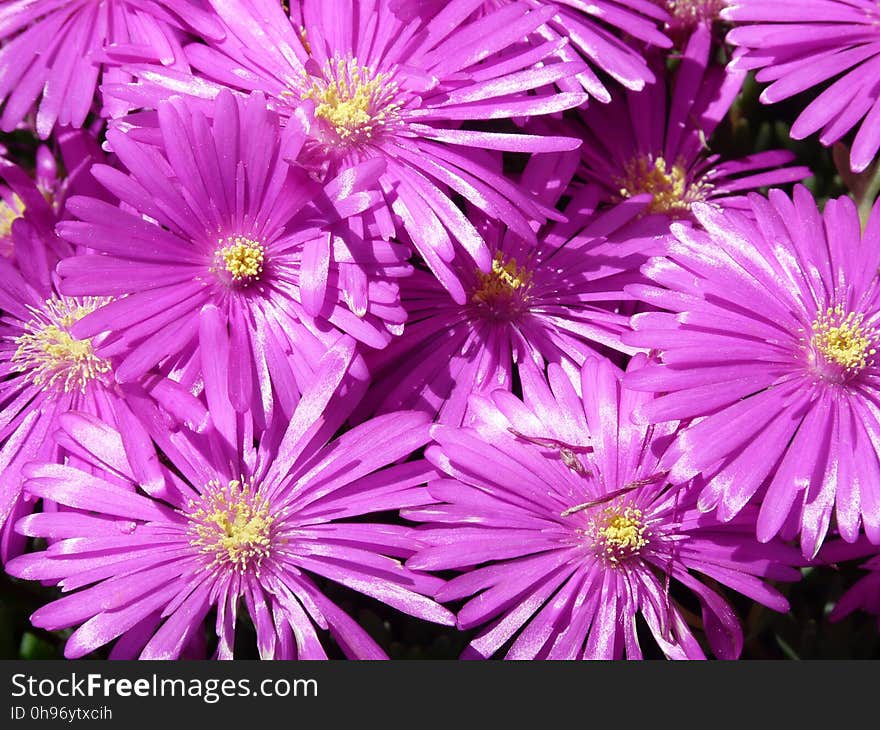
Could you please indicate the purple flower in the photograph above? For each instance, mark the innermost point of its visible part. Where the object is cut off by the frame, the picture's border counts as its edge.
(12, 208)
(40, 200)
(800, 46)
(563, 504)
(55, 51)
(654, 141)
(145, 558)
(45, 371)
(229, 255)
(864, 594)
(554, 302)
(769, 344)
(398, 91)
(591, 31)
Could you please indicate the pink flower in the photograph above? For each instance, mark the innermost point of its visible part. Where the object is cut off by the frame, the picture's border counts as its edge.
(55, 51)
(566, 528)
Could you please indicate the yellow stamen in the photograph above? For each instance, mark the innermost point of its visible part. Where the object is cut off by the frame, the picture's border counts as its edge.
(354, 101)
(841, 338)
(672, 194)
(689, 12)
(9, 213)
(50, 355)
(618, 533)
(232, 525)
(505, 284)
(242, 257)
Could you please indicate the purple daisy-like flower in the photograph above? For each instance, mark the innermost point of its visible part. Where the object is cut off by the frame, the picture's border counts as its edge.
(562, 503)
(554, 302)
(594, 31)
(798, 46)
(398, 91)
(769, 344)
(229, 254)
(45, 371)
(55, 51)
(143, 565)
(655, 142)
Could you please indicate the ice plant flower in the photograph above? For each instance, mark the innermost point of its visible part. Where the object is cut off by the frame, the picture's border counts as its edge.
(45, 371)
(655, 141)
(562, 504)
(398, 91)
(227, 250)
(228, 531)
(54, 52)
(799, 48)
(554, 302)
(770, 343)
(594, 31)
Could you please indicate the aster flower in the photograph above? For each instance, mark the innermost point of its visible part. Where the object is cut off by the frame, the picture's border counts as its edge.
(655, 141)
(144, 566)
(798, 48)
(769, 342)
(562, 503)
(554, 302)
(594, 31)
(398, 91)
(54, 51)
(226, 250)
(46, 371)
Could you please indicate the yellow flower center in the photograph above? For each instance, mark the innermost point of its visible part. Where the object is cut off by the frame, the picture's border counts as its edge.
(504, 290)
(354, 101)
(668, 185)
(242, 258)
(842, 339)
(9, 213)
(690, 12)
(618, 534)
(232, 525)
(50, 355)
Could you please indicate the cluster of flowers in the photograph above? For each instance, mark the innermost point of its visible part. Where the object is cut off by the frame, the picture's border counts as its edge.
(448, 303)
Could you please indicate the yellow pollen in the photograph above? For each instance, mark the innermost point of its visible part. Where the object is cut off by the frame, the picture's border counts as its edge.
(304, 38)
(242, 258)
(354, 101)
(672, 195)
(842, 339)
(694, 11)
(618, 534)
(232, 525)
(9, 213)
(50, 355)
(504, 283)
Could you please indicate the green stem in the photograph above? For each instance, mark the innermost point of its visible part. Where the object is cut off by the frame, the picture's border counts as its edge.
(866, 201)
